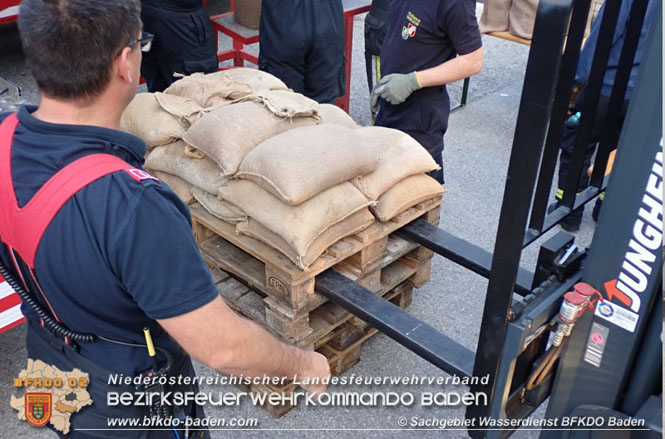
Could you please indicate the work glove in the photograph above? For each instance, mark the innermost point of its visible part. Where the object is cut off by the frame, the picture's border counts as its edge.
(395, 88)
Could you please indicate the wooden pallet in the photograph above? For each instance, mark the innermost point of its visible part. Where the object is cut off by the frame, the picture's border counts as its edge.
(310, 328)
(268, 271)
(354, 329)
(340, 358)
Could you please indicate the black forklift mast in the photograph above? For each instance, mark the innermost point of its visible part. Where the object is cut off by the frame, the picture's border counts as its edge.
(613, 360)
(522, 309)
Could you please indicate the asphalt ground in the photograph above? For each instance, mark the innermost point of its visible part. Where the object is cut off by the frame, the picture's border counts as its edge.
(478, 145)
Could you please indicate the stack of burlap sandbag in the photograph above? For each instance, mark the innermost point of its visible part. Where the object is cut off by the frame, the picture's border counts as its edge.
(515, 16)
(296, 175)
(161, 120)
(305, 189)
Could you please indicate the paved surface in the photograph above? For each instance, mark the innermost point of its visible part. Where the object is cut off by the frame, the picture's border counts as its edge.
(477, 151)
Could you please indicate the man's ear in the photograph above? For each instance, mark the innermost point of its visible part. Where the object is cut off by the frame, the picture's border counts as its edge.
(124, 65)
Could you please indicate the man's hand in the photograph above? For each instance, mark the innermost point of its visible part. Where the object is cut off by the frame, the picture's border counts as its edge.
(316, 369)
(395, 88)
(217, 336)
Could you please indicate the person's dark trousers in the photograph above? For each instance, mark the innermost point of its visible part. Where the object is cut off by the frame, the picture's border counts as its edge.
(572, 222)
(184, 43)
(302, 43)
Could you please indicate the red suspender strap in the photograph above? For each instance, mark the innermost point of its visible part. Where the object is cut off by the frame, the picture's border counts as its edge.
(22, 229)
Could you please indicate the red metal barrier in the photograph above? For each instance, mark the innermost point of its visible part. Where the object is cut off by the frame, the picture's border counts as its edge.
(8, 10)
(10, 307)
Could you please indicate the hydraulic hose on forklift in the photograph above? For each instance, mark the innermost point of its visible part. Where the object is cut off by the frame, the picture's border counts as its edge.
(583, 297)
(575, 303)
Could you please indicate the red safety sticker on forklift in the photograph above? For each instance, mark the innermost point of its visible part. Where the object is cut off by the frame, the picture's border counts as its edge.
(618, 315)
(596, 344)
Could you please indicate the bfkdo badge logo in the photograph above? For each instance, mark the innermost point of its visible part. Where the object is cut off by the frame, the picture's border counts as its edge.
(38, 408)
(51, 396)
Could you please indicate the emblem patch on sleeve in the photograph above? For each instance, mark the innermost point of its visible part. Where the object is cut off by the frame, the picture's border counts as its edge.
(140, 175)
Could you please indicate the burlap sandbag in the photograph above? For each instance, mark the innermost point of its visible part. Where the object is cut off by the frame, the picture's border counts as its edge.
(299, 225)
(257, 79)
(495, 16)
(247, 13)
(144, 118)
(333, 114)
(399, 157)
(202, 173)
(298, 164)
(209, 90)
(523, 17)
(286, 103)
(179, 186)
(407, 193)
(355, 223)
(227, 134)
(186, 110)
(219, 208)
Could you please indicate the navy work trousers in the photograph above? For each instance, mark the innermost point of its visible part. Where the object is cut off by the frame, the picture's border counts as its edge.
(302, 43)
(184, 43)
(570, 132)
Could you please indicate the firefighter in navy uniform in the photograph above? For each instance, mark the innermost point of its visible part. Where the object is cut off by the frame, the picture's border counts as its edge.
(98, 248)
(184, 41)
(429, 43)
(302, 43)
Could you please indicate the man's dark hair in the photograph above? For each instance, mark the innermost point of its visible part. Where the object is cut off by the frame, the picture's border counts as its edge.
(70, 44)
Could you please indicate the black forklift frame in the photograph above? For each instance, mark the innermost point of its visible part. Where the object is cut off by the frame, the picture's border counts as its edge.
(519, 304)
(611, 366)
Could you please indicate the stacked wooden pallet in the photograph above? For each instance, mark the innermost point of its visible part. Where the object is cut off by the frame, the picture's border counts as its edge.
(262, 284)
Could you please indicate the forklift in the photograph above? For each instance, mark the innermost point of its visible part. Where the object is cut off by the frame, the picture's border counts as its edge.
(585, 328)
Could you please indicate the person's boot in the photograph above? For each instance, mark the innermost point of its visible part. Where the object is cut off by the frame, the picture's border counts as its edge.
(570, 223)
